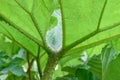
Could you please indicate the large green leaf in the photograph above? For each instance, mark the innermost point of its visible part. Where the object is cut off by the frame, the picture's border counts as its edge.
(90, 22)
(30, 19)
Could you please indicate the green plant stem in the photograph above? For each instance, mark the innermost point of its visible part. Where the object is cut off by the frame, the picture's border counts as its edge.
(39, 68)
(50, 68)
(63, 24)
(30, 64)
(29, 67)
(38, 63)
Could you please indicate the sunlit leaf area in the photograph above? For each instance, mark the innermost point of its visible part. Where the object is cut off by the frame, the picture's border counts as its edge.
(59, 39)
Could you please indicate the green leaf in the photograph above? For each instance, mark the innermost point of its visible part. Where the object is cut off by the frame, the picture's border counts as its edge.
(77, 52)
(113, 70)
(96, 65)
(84, 74)
(37, 15)
(12, 65)
(108, 55)
(7, 46)
(78, 73)
(90, 22)
(105, 65)
(28, 19)
(17, 70)
(116, 45)
(70, 70)
(86, 24)
(18, 37)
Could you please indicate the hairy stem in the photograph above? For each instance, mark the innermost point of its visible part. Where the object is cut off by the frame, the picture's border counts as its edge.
(50, 68)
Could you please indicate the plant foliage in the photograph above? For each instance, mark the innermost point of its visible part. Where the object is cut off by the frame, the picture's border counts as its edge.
(58, 32)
